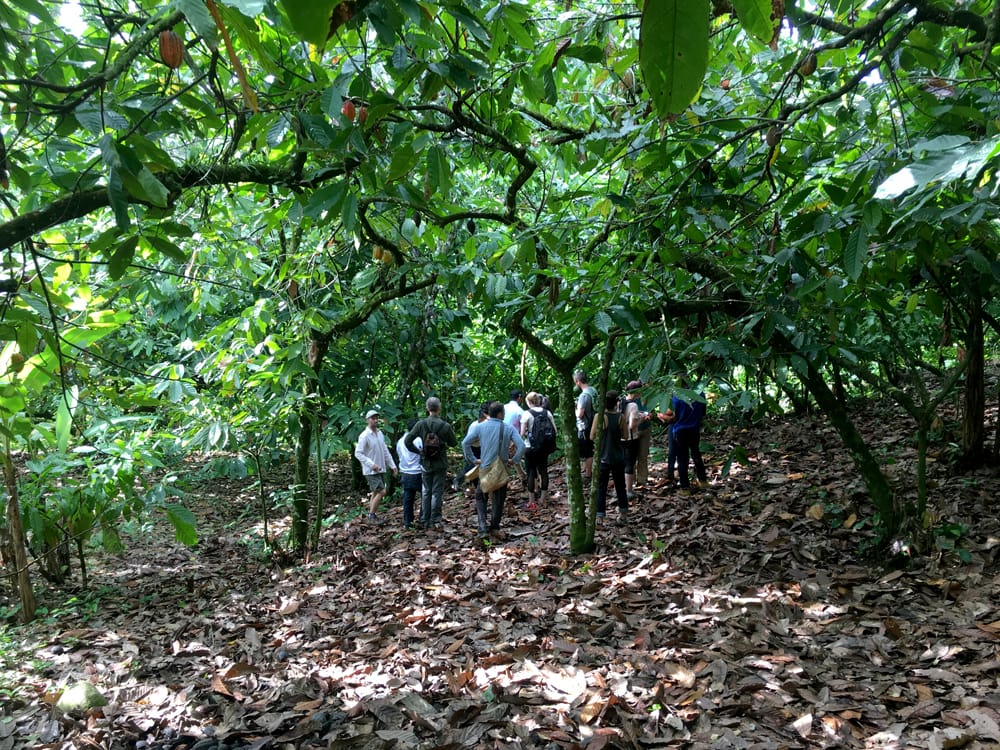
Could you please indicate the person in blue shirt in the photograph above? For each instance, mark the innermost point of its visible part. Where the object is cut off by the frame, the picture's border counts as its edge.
(685, 429)
(494, 438)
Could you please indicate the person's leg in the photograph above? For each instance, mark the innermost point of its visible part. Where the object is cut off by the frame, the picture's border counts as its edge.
(376, 483)
(543, 475)
(482, 527)
(696, 459)
(618, 472)
(642, 459)
(631, 453)
(683, 454)
(671, 455)
(531, 464)
(586, 457)
(425, 499)
(412, 484)
(604, 474)
(499, 497)
(439, 478)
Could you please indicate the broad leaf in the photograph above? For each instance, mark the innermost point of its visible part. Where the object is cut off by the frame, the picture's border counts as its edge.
(673, 55)
(755, 17)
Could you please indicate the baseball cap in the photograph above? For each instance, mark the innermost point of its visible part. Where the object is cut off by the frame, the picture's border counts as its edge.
(371, 413)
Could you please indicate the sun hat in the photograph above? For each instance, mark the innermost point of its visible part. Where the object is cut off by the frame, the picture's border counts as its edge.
(371, 413)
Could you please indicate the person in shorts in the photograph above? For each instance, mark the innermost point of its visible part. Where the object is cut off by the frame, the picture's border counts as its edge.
(373, 453)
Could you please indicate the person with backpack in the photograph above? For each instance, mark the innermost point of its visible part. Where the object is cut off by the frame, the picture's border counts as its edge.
(637, 422)
(538, 428)
(436, 436)
(585, 410)
(612, 464)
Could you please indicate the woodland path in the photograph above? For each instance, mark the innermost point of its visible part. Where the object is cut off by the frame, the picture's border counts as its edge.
(744, 616)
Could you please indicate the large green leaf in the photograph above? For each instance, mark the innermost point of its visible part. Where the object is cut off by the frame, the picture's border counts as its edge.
(673, 54)
(755, 17)
(310, 18)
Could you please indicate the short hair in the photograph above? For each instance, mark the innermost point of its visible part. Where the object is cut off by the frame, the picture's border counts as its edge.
(534, 399)
(496, 409)
(484, 408)
(516, 394)
(410, 422)
(433, 404)
(611, 400)
(580, 375)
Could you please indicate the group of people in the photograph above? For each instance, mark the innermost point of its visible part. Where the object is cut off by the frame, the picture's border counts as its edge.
(506, 433)
(510, 432)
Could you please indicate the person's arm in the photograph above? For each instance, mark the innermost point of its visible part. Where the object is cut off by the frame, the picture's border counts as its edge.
(593, 428)
(467, 441)
(515, 437)
(410, 437)
(359, 453)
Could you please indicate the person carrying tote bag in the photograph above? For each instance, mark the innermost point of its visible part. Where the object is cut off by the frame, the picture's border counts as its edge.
(494, 438)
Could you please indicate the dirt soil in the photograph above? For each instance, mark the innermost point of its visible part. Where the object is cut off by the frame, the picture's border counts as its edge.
(747, 615)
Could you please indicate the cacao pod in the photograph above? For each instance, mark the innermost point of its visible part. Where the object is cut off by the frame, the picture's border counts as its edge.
(808, 66)
(171, 49)
(773, 136)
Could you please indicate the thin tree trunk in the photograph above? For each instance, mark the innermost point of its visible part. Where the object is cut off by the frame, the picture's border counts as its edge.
(862, 458)
(24, 590)
(974, 413)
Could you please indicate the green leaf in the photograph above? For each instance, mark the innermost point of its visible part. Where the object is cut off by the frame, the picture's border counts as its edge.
(121, 259)
(64, 418)
(403, 160)
(118, 198)
(168, 248)
(183, 521)
(755, 16)
(673, 35)
(196, 12)
(856, 252)
(310, 18)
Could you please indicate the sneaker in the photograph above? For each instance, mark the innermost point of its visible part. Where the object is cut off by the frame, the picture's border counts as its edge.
(630, 495)
(622, 519)
(373, 518)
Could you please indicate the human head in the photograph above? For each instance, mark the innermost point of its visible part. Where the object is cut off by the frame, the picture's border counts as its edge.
(580, 378)
(433, 405)
(534, 399)
(633, 387)
(496, 409)
(611, 400)
(372, 417)
(484, 410)
(515, 395)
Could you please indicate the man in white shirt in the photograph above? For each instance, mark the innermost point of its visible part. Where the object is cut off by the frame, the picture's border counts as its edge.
(375, 458)
(512, 410)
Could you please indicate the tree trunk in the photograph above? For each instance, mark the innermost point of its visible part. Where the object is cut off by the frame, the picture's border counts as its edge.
(319, 343)
(974, 413)
(871, 474)
(24, 589)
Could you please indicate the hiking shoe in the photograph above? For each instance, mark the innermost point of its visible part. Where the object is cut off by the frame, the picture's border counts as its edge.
(373, 518)
(622, 519)
(630, 495)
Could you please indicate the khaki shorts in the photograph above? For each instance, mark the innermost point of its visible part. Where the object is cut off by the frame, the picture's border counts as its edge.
(376, 482)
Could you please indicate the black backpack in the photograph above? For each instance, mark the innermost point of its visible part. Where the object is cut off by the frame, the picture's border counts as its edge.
(432, 445)
(543, 433)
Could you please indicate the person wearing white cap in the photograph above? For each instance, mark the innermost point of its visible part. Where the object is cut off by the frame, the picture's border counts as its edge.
(373, 453)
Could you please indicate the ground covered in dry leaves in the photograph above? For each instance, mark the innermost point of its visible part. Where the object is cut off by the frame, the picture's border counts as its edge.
(744, 616)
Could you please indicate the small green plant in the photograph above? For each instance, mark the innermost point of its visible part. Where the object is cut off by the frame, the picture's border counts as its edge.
(948, 538)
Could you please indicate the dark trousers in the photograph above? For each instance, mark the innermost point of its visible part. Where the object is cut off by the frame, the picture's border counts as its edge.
(497, 498)
(412, 486)
(616, 472)
(689, 446)
(537, 466)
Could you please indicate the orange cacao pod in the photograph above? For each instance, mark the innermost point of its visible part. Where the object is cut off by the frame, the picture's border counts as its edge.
(171, 49)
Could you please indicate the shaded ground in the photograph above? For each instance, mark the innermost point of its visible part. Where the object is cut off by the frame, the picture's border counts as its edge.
(740, 617)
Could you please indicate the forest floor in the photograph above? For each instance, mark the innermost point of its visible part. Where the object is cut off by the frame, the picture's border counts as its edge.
(750, 614)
